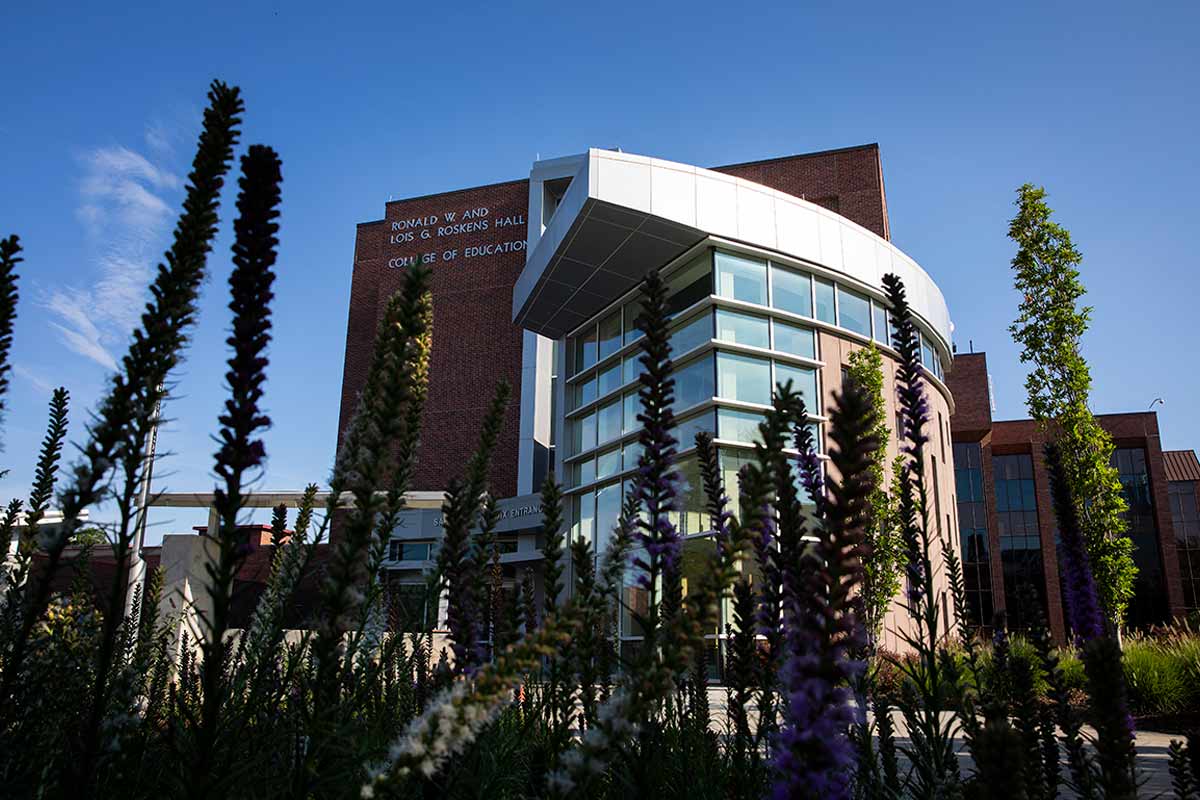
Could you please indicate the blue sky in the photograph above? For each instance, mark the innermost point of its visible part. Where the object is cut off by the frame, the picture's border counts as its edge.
(1097, 101)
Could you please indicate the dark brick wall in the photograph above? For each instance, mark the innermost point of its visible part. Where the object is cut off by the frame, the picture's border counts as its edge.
(968, 383)
(475, 343)
(848, 181)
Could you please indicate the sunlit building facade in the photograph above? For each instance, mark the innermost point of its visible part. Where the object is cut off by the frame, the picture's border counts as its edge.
(774, 271)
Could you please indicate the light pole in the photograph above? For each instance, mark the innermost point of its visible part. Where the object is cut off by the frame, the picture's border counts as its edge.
(137, 564)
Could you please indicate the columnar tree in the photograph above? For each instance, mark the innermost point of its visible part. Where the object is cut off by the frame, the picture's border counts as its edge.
(1049, 328)
(885, 548)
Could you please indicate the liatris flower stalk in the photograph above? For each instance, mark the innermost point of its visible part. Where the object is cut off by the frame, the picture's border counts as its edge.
(279, 515)
(156, 348)
(634, 704)
(1083, 604)
(7, 524)
(814, 753)
(45, 475)
(363, 461)
(456, 565)
(261, 642)
(454, 719)
(10, 256)
(655, 484)
(1101, 654)
(937, 769)
(1183, 783)
(552, 549)
(1108, 699)
(241, 451)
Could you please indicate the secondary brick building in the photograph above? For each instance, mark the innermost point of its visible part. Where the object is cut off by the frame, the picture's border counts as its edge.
(1006, 522)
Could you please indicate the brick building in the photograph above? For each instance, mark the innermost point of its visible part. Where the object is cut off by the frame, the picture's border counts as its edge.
(774, 270)
(1006, 521)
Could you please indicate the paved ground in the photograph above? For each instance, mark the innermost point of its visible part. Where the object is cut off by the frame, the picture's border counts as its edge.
(1152, 748)
(1152, 751)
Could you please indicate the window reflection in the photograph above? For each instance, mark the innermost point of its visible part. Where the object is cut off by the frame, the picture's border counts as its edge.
(746, 329)
(743, 378)
(741, 278)
(795, 340)
(791, 291)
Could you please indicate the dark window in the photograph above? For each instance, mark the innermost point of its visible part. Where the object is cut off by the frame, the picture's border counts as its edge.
(1186, 519)
(1020, 540)
(410, 607)
(973, 534)
(1149, 605)
(399, 550)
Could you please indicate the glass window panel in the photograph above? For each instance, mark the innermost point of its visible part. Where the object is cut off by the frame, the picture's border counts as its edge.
(744, 329)
(693, 383)
(818, 438)
(631, 367)
(608, 426)
(585, 350)
(610, 334)
(926, 353)
(583, 512)
(791, 291)
(608, 510)
(587, 433)
(632, 405)
(693, 333)
(854, 311)
(586, 470)
(632, 309)
(738, 426)
(881, 324)
(743, 378)
(824, 295)
(609, 380)
(685, 432)
(608, 463)
(795, 340)
(804, 381)
(635, 605)
(414, 551)
(630, 455)
(585, 392)
(742, 278)
(689, 285)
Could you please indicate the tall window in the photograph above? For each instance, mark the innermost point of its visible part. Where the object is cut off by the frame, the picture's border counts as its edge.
(973, 533)
(1020, 540)
(1186, 519)
(1149, 600)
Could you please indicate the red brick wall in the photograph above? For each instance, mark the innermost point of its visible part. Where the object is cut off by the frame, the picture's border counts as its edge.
(848, 181)
(475, 343)
(968, 383)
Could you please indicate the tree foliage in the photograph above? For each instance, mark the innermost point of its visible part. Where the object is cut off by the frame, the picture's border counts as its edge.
(1049, 328)
(881, 568)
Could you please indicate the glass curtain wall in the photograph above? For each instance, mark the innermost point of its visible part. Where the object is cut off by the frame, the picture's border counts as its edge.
(1149, 606)
(1020, 540)
(973, 533)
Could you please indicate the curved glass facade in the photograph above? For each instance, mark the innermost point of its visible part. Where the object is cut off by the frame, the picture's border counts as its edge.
(741, 325)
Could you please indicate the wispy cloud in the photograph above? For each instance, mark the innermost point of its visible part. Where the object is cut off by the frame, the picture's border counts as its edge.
(125, 208)
(40, 384)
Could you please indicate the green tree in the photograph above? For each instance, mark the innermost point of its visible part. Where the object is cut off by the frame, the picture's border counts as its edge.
(881, 570)
(1049, 328)
(93, 536)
